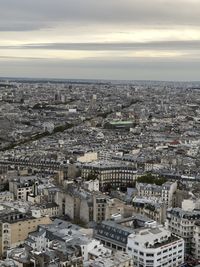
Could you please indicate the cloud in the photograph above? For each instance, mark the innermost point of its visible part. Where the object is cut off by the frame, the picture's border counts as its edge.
(112, 46)
(47, 13)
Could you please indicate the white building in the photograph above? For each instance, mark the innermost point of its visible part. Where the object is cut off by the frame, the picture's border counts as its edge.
(155, 247)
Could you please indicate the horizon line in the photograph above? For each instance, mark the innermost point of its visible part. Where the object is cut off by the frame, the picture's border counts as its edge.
(95, 79)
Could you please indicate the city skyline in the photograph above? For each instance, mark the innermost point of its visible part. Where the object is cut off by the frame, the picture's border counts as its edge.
(134, 40)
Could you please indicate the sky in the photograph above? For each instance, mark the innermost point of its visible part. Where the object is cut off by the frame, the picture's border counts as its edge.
(100, 39)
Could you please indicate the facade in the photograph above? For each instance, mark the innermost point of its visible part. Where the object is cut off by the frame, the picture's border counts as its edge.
(155, 247)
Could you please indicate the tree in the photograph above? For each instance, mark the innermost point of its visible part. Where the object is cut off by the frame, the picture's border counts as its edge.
(91, 176)
(151, 179)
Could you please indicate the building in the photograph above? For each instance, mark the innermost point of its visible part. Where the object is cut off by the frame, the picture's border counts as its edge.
(149, 190)
(195, 251)
(48, 209)
(99, 207)
(150, 207)
(88, 157)
(70, 244)
(114, 233)
(181, 223)
(81, 204)
(110, 174)
(6, 196)
(92, 185)
(118, 259)
(120, 125)
(179, 196)
(22, 187)
(155, 247)
(15, 227)
(168, 190)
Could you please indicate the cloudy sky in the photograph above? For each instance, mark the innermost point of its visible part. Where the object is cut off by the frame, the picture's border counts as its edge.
(100, 39)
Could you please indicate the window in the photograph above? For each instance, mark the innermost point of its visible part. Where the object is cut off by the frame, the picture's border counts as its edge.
(150, 255)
